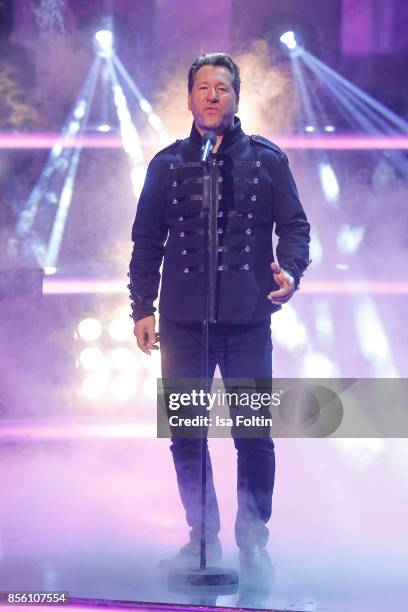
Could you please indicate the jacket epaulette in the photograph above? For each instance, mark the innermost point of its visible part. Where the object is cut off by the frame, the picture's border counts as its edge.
(267, 143)
(170, 146)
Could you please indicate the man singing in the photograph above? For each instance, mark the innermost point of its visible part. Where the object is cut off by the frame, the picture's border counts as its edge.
(255, 193)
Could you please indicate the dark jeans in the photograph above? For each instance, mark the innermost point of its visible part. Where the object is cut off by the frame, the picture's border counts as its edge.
(241, 351)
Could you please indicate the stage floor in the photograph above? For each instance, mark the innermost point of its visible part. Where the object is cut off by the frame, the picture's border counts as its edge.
(93, 517)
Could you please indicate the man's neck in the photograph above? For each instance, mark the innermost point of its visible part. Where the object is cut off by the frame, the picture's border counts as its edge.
(218, 142)
(219, 136)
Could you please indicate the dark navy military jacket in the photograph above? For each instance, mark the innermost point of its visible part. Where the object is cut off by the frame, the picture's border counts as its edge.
(255, 192)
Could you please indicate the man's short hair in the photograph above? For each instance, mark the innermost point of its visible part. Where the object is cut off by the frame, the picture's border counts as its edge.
(215, 59)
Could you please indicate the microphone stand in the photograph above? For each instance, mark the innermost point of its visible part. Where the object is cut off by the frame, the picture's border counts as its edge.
(218, 580)
(209, 293)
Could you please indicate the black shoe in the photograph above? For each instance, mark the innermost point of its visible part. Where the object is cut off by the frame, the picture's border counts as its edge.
(189, 555)
(256, 569)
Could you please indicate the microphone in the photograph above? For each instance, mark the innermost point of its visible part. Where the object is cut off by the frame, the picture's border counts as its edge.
(209, 140)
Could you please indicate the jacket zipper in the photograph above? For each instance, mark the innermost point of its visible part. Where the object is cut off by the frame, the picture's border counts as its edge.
(213, 241)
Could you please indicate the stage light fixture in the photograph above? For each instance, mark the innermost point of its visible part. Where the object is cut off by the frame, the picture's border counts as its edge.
(310, 128)
(90, 329)
(103, 40)
(121, 330)
(103, 127)
(155, 121)
(318, 365)
(289, 40)
(349, 238)
(329, 182)
(94, 387)
(124, 386)
(152, 363)
(122, 359)
(145, 105)
(91, 358)
(291, 43)
(288, 330)
(150, 387)
(80, 109)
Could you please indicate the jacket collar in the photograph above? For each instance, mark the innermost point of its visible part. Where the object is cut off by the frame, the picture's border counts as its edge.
(233, 134)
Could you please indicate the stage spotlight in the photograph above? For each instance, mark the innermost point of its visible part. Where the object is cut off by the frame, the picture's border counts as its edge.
(150, 387)
(91, 358)
(103, 127)
(103, 40)
(121, 330)
(89, 329)
(155, 121)
(152, 363)
(124, 386)
(80, 109)
(94, 387)
(288, 330)
(329, 128)
(349, 239)
(373, 339)
(289, 39)
(122, 359)
(290, 43)
(318, 365)
(73, 127)
(329, 182)
(145, 105)
(48, 270)
(310, 128)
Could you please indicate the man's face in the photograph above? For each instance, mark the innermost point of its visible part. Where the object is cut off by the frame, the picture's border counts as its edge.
(212, 100)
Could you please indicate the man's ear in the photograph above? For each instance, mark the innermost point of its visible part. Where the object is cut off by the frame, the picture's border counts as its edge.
(189, 102)
(236, 103)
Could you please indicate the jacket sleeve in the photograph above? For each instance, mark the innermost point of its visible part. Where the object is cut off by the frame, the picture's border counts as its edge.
(149, 234)
(291, 227)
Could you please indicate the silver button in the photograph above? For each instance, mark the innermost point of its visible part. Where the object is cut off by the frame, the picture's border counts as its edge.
(174, 184)
(245, 267)
(250, 215)
(220, 268)
(181, 218)
(220, 179)
(247, 248)
(220, 230)
(220, 249)
(171, 166)
(220, 196)
(186, 270)
(248, 231)
(258, 164)
(174, 201)
(221, 162)
(181, 234)
(256, 181)
(184, 252)
(220, 214)
(253, 198)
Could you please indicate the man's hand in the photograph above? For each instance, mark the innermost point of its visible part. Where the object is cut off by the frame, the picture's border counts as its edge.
(286, 285)
(146, 337)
